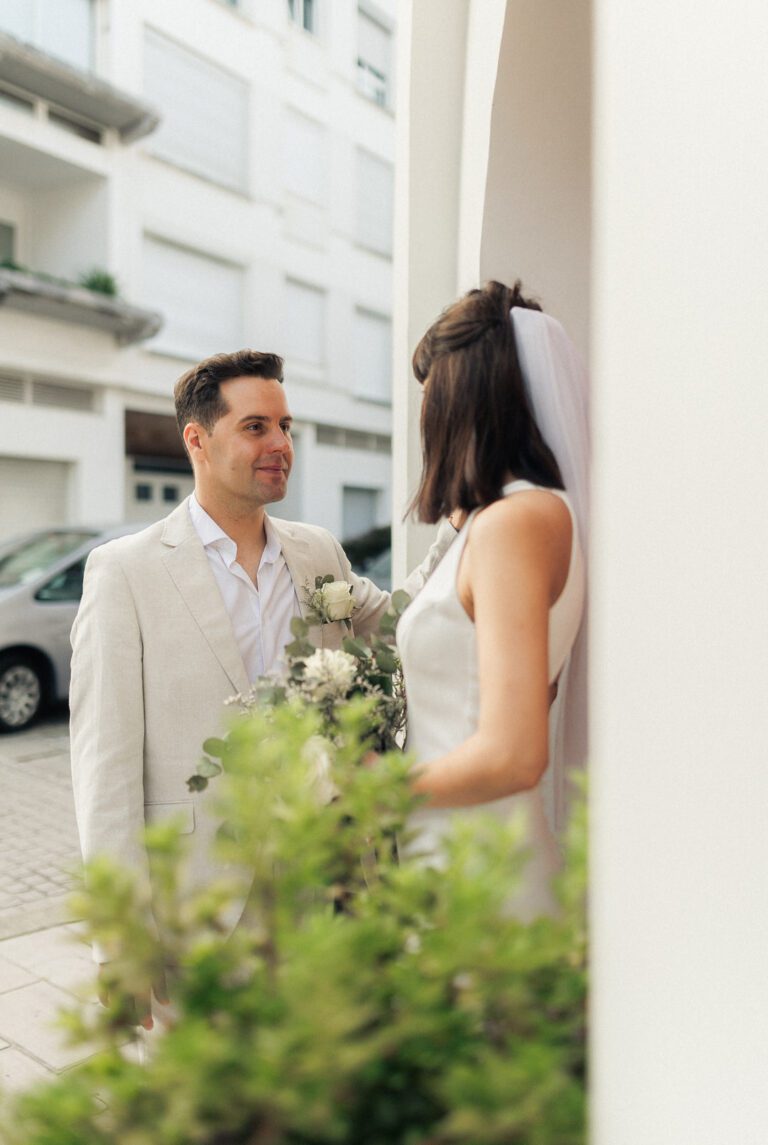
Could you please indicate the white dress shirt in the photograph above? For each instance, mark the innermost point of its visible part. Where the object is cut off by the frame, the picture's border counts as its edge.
(261, 613)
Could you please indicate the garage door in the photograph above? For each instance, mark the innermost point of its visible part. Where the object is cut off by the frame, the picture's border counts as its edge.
(33, 494)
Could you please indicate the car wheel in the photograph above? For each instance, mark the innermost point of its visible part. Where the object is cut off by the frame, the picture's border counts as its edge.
(21, 692)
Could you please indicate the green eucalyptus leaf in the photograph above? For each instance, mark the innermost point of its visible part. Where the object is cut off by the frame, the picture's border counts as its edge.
(400, 601)
(388, 624)
(299, 627)
(386, 659)
(208, 768)
(215, 747)
(299, 648)
(355, 646)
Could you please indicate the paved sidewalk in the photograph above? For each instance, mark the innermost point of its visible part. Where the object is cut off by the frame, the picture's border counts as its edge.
(40, 974)
(39, 849)
(43, 964)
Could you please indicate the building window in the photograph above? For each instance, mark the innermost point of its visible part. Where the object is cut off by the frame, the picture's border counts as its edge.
(372, 356)
(204, 121)
(55, 395)
(375, 202)
(60, 28)
(353, 439)
(59, 396)
(171, 493)
(304, 13)
(304, 329)
(374, 59)
(305, 157)
(142, 492)
(359, 508)
(200, 298)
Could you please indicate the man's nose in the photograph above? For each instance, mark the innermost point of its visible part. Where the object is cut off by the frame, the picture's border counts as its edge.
(281, 441)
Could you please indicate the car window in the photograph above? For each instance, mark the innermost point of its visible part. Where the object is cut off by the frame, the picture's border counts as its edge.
(31, 557)
(67, 585)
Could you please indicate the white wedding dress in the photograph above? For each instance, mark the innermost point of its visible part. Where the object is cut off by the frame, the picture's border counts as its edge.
(436, 641)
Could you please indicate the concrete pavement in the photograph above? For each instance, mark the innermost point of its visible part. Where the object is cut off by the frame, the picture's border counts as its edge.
(44, 966)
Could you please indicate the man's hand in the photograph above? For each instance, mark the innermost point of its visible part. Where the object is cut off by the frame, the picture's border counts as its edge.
(139, 1011)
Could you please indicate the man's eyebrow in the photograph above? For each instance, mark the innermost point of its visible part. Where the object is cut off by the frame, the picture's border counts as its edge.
(262, 417)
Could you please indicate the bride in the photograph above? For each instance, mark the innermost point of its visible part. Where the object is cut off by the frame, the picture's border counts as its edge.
(505, 450)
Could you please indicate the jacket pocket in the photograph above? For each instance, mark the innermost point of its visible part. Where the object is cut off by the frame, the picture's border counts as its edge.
(183, 811)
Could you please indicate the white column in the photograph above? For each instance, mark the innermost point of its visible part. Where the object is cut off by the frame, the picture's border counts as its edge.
(430, 70)
(680, 649)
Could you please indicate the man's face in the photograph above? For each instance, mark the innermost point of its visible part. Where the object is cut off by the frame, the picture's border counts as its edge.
(246, 458)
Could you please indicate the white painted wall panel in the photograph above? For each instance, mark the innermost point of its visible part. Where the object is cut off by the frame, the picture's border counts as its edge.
(204, 125)
(33, 494)
(200, 298)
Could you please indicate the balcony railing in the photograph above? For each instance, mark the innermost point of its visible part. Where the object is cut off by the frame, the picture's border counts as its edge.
(28, 75)
(36, 294)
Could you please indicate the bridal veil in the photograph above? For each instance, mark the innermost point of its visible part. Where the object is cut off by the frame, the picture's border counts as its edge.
(558, 389)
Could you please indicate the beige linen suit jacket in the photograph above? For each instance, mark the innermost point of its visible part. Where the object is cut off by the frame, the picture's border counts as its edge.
(154, 659)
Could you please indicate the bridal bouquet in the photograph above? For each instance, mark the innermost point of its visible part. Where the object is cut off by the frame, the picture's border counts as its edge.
(326, 680)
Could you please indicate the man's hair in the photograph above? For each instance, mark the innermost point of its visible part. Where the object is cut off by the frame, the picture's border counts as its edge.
(197, 394)
(477, 424)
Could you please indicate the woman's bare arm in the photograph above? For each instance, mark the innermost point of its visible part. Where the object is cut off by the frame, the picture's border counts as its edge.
(513, 569)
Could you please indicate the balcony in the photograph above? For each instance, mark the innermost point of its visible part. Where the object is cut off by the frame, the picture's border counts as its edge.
(37, 294)
(71, 96)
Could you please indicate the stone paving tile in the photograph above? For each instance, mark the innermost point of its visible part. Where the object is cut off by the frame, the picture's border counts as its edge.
(27, 1018)
(13, 976)
(33, 951)
(18, 1071)
(57, 955)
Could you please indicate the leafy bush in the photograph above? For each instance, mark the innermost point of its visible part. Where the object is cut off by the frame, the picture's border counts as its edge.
(100, 281)
(362, 1000)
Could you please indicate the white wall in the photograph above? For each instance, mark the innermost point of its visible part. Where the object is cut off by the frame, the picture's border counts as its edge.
(536, 221)
(680, 652)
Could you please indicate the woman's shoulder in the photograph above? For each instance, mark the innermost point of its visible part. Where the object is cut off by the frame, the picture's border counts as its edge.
(533, 511)
(530, 531)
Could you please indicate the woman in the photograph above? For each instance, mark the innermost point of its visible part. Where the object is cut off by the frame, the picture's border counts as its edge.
(504, 436)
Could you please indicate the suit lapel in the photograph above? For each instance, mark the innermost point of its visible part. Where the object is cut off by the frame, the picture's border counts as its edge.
(303, 569)
(188, 566)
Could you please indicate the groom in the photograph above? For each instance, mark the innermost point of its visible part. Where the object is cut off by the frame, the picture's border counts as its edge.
(177, 618)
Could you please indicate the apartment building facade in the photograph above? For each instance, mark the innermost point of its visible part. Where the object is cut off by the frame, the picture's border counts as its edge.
(228, 166)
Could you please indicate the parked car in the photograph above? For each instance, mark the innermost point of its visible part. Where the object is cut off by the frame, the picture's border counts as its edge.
(41, 582)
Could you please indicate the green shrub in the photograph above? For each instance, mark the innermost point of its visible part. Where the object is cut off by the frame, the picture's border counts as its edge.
(361, 1001)
(100, 281)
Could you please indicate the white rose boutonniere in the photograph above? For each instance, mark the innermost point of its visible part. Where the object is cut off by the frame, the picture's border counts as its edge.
(331, 600)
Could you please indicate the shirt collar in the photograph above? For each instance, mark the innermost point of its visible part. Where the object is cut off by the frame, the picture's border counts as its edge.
(213, 536)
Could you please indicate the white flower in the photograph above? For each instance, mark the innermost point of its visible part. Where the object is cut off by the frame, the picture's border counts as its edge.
(328, 674)
(318, 754)
(336, 598)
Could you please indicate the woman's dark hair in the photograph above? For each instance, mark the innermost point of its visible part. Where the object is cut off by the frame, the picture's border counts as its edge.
(197, 394)
(477, 425)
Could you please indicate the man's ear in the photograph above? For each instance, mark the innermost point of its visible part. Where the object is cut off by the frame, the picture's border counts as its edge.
(193, 438)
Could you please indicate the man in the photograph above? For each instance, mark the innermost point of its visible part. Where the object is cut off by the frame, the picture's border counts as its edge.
(177, 618)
